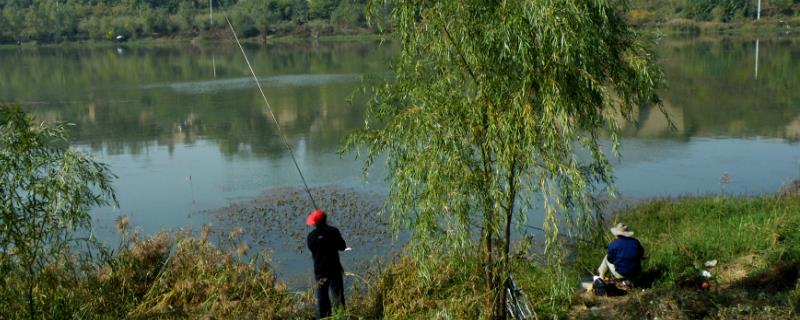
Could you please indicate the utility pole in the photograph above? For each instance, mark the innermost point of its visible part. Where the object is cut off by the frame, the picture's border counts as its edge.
(758, 11)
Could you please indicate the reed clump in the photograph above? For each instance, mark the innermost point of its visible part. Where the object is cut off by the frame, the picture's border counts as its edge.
(199, 279)
(451, 285)
(166, 275)
(404, 290)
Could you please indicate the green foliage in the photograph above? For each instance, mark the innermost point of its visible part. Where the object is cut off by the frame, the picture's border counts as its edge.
(321, 9)
(349, 13)
(720, 10)
(453, 287)
(488, 112)
(650, 12)
(46, 192)
(55, 21)
(699, 9)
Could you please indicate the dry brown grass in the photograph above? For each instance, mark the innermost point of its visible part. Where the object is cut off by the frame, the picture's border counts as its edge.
(200, 280)
(682, 303)
(171, 275)
(448, 290)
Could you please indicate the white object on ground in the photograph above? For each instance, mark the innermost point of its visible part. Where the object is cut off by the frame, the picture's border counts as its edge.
(710, 263)
(348, 249)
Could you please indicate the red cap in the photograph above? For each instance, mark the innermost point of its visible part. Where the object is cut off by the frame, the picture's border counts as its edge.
(315, 217)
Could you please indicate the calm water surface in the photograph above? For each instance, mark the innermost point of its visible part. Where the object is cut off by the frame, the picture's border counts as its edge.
(186, 132)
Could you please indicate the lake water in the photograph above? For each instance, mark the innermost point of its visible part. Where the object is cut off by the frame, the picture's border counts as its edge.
(186, 131)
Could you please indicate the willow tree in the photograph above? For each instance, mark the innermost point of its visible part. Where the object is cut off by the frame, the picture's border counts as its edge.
(497, 106)
(46, 192)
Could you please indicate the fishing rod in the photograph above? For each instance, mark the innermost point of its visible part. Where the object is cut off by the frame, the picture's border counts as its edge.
(289, 147)
(562, 234)
(269, 107)
(576, 238)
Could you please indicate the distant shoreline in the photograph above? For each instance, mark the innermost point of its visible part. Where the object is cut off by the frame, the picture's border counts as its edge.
(674, 27)
(202, 40)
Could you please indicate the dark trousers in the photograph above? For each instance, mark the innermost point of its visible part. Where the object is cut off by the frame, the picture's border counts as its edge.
(325, 283)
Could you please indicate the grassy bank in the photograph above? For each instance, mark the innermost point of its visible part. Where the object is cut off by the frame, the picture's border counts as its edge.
(755, 241)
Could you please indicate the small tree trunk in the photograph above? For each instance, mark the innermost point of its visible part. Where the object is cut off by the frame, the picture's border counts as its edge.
(505, 263)
(31, 304)
(499, 294)
(498, 274)
(488, 264)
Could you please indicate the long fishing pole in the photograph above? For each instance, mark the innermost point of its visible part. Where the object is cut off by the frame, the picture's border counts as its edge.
(576, 238)
(562, 234)
(269, 107)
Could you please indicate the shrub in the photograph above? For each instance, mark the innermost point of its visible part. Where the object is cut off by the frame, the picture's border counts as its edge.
(46, 191)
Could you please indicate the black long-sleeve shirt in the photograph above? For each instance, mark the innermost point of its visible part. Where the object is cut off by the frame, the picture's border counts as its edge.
(325, 242)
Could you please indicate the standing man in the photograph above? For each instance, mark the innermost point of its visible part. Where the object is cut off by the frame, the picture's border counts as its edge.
(325, 242)
(624, 257)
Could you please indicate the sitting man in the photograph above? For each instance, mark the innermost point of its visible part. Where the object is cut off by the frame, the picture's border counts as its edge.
(624, 257)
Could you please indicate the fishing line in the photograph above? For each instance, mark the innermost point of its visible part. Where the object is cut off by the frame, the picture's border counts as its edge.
(561, 234)
(269, 107)
(576, 238)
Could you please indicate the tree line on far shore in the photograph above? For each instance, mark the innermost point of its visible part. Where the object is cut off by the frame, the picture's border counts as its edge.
(643, 12)
(49, 21)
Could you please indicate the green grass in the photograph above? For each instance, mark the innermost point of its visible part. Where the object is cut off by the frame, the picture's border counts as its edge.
(680, 235)
(756, 242)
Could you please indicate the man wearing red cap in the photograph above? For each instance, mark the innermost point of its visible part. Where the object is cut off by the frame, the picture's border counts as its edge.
(325, 242)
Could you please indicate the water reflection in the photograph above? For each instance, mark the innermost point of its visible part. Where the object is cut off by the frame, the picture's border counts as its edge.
(167, 96)
(185, 130)
(164, 96)
(714, 90)
(296, 80)
(183, 95)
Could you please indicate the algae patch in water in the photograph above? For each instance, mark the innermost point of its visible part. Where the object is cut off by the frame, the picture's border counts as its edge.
(275, 221)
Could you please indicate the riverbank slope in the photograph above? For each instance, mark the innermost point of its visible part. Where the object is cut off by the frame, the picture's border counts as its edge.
(755, 242)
